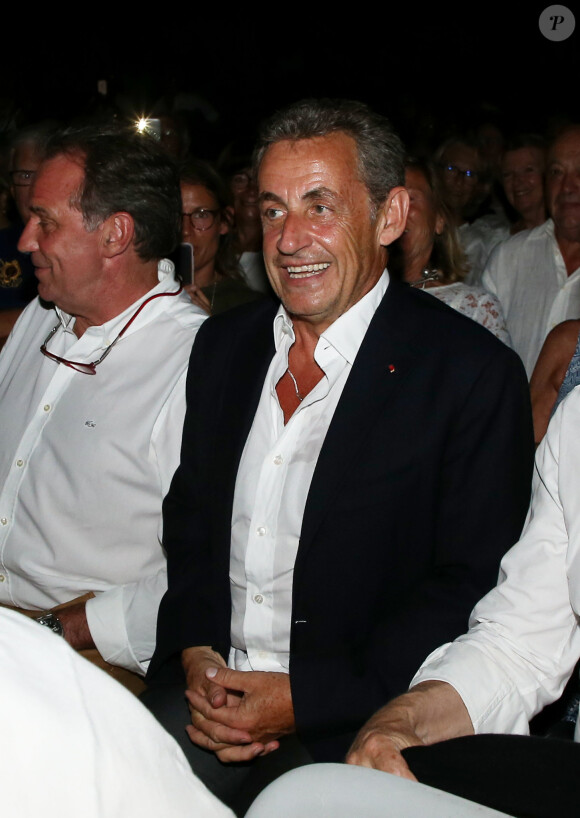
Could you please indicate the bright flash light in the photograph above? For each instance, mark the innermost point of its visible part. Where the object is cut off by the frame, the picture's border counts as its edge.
(142, 124)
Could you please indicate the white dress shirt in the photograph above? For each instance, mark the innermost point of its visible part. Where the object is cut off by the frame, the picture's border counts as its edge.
(75, 742)
(528, 274)
(524, 637)
(272, 486)
(85, 461)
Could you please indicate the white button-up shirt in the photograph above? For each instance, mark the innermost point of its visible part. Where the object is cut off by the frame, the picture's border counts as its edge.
(85, 461)
(528, 274)
(524, 637)
(272, 486)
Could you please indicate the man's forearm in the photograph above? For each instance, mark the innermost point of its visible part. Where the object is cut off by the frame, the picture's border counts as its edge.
(434, 710)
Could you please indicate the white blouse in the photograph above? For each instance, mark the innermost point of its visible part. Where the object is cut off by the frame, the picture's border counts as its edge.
(476, 303)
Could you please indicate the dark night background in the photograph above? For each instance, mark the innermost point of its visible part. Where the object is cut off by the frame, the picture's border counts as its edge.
(418, 67)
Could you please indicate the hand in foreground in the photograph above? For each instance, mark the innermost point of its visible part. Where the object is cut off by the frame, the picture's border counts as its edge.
(430, 712)
(379, 744)
(257, 711)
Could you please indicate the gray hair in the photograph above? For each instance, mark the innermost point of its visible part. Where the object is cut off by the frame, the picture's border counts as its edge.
(380, 151)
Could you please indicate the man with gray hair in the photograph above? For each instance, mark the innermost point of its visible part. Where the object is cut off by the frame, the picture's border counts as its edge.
(92, 397)
(352, 470)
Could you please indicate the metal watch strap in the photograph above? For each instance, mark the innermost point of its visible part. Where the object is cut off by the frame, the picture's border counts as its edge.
(50, 620)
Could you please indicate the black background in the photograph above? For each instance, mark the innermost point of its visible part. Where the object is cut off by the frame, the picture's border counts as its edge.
(418, 67)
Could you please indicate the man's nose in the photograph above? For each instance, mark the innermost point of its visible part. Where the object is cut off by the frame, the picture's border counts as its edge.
(294, 235)
(28, 242)
(571, 181)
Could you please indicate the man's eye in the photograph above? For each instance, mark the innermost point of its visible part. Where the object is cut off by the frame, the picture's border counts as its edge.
(272, 213)
(320, 210)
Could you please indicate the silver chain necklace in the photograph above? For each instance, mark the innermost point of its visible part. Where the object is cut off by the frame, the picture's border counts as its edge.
(298, 395)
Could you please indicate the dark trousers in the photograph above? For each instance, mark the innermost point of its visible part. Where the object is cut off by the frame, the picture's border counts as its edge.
(527, 776)
(237, 785)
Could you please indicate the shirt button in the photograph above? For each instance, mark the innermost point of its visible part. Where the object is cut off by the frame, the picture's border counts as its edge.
(47, 407)
(261, 531)
(20, 463)
(278, 460)
(2, 577)
(258, 599)
(4, 521)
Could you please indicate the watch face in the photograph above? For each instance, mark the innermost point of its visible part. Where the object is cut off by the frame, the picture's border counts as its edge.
(51, 621)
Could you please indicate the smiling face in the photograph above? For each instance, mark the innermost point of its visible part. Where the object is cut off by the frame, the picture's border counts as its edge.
(66, 256)
(322, 243)
(522, 172)
(563, 184)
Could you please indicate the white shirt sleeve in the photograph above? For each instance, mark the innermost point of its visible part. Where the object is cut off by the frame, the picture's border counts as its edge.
(524, 639)
(123, 620)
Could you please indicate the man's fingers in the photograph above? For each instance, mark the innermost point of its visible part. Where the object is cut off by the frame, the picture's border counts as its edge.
(248, 752)
(380, 753)
(215, 736)
(217, 731)
(228, 716)
(228, 678)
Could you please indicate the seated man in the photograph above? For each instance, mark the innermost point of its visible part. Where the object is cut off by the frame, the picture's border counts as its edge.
(522, 646)
(92, 396)
(355, 466)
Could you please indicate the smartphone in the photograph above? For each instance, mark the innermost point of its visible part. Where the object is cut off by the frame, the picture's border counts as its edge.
(184, 264)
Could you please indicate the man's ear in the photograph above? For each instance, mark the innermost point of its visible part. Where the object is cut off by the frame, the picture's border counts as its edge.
(393, 215)
(117, 234)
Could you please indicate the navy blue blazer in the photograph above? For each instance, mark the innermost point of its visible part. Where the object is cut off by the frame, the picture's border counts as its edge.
(422, 484)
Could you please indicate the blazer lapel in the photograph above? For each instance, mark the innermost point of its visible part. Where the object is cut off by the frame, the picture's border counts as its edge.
(242, 386)
(385, 357)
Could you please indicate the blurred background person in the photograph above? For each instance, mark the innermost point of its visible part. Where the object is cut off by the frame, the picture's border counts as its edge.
(429, 255)
(207, 224)
(522, 176)
(18, 284)
(466, 188)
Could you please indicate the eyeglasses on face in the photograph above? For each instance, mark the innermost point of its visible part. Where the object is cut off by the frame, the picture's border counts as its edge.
(202, 218)
(453, 170)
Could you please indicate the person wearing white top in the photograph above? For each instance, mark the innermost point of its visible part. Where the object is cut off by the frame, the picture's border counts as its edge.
(536, 273)
(92, 397)
(522, 647)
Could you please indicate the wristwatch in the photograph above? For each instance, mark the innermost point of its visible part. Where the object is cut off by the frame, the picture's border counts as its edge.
(50, 620)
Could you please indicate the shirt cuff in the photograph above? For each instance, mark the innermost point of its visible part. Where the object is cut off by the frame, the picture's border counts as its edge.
(106, 620)
(492, 699)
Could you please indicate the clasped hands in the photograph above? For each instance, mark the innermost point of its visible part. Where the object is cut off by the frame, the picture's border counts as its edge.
(239, 715)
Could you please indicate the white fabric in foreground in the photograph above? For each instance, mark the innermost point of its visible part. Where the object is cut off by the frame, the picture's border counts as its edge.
(343, 791)
(76, 743)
